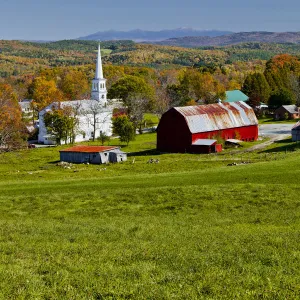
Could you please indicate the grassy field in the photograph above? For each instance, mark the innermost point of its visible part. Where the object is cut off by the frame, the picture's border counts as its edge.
(189, 227)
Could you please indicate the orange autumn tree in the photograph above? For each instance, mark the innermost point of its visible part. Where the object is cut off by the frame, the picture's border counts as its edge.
(12, 133)
(43, 92)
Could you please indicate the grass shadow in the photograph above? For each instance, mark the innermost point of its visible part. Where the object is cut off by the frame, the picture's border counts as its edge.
(144, 153)
(53, 162)
(289, 140)
(283, 146)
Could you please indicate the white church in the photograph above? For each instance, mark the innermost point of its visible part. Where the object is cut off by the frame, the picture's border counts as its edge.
(94, 115)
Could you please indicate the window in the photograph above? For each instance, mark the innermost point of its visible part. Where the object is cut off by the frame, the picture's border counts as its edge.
(105, 154)
(83, 135)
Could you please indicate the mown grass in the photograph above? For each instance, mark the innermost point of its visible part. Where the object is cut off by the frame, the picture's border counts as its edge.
(151, 119)
(189, 227)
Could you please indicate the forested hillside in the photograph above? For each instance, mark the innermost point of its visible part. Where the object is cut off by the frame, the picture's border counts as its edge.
(19, 58)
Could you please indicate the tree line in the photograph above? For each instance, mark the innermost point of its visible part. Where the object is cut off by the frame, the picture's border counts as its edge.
(278, 85)
(145, 89)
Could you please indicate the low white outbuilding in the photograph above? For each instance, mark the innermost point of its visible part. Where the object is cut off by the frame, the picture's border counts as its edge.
(93, 154)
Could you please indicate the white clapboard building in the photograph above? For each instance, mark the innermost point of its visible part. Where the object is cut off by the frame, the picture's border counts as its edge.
(97, 110)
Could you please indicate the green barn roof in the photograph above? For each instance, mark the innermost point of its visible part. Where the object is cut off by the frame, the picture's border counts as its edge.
(236, 95)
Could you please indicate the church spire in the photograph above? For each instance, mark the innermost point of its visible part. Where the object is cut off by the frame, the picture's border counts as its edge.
(99, 91)
(99, 71)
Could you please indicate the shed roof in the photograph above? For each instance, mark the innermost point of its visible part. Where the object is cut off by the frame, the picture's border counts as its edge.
(89, 149)
(235, 96)
(212, 117)
(118, 151)
(204, 142)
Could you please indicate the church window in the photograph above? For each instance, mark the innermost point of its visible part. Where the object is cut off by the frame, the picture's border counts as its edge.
(102, 97)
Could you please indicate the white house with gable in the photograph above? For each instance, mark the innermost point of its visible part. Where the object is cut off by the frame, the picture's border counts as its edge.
(96, 111)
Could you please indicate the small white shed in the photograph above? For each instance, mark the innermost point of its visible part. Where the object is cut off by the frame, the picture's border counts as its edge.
(92, 154)
(49, 139)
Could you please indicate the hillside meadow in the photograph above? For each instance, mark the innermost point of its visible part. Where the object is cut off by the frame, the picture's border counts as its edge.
(188, 227)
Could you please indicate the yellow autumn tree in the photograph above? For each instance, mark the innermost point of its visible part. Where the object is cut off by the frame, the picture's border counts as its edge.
(43, 92)
(75, 85)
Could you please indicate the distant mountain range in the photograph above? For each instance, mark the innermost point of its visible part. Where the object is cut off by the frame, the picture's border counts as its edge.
(139, 35)
(233, 38)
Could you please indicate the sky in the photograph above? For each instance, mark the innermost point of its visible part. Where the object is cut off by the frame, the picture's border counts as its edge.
(66, 19)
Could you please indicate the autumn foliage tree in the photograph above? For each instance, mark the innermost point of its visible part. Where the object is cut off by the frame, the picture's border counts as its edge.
(283, 75)
(194, 85)
(43, 92)
(12, 133)
(75, 85)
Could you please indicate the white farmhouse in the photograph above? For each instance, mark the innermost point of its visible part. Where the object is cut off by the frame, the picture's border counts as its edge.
(94, 115)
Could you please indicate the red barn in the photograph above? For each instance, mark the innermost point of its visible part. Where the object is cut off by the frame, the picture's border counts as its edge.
(181, 128)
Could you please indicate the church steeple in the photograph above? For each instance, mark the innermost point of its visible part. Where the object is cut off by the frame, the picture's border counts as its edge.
(99, 91)
(99, 71)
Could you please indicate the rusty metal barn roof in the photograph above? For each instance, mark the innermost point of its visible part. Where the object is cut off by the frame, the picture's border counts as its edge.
(89, 149)
(211, 117)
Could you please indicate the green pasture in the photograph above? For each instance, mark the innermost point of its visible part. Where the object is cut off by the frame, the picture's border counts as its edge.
(188, 227)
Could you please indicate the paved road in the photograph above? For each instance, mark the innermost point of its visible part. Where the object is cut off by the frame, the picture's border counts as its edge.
(272, 130)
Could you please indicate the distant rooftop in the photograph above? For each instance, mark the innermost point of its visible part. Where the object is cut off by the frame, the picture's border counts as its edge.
(292, 109)
(235, 96)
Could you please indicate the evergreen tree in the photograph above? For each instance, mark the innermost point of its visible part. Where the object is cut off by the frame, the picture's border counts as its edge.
(256, 88)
